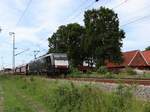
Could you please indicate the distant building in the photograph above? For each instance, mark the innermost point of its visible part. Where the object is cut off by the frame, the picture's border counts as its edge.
(134, 59)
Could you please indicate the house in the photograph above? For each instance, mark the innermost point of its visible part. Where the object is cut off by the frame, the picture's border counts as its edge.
(134, 59)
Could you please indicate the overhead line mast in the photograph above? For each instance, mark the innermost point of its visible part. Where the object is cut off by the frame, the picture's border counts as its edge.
(13, 56)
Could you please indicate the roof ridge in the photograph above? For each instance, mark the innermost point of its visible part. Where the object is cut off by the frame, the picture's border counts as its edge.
(133, 57)
(145, 59)
(131, 51)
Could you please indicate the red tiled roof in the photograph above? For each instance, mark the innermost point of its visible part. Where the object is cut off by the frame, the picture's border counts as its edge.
(127, 58)
(146, 55)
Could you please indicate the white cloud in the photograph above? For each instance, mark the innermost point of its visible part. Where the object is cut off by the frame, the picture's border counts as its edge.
(44, 16)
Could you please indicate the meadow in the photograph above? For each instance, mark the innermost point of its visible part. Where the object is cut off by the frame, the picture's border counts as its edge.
(39, 94)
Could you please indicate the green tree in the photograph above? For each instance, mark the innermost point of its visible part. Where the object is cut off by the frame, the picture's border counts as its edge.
(148, 48)
(103, 40)
(69, 39)
(57, 42)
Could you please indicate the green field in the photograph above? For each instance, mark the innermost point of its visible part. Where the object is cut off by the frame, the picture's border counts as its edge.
(37, 94)
(103, 72)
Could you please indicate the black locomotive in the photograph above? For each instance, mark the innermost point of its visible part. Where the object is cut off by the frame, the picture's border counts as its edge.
(50, 64)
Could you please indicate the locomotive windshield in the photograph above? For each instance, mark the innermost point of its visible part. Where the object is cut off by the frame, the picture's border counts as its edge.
(60, 57)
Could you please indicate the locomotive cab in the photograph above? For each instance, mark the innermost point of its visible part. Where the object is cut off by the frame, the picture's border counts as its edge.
(60, 62)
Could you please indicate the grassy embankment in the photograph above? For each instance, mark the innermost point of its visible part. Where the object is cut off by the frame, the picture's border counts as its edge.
(36, 94)
(102, 72)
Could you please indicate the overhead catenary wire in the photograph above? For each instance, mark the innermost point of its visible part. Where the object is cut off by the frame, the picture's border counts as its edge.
(138, 19)
(77, 14)
(120, 4)
(25, 10)
(76, 10)
(135, 13)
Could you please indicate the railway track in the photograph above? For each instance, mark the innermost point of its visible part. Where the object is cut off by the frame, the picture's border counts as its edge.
(145, 82)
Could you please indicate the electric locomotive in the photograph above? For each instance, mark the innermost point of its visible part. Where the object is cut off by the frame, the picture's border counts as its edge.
(50, 64)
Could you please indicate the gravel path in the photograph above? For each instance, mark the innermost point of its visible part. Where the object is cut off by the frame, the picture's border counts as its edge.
(140, 91)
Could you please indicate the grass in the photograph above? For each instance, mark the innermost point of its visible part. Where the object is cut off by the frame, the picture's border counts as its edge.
(102, 72)
(37, 94)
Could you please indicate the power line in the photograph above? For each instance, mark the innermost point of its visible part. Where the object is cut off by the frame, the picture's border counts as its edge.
(91, 4)
(120, 4)
(22, 52)
(139, 10)
(77, 14)
(83, 3)
(22, 15)
(86, 8)
(133, 21)
(106, 2)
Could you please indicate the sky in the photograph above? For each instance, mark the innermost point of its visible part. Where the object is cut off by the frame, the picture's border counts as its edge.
(33, 21)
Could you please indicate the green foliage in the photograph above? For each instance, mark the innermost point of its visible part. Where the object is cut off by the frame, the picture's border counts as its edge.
(130, 71)
(147, 107)
(102, 70)
(109, 75)
(103, 40)
(99, 40)
(74, 72)
(122, 100)
(68, 39)
(32, 79)
(148, 48)
(59, 95)
(146, 75)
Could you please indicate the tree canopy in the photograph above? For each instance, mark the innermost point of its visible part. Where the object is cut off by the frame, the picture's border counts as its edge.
(103, 35)
(99, 40)
(68, 39)
(148, 48)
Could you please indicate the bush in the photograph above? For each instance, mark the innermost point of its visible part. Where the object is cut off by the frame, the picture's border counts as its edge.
(122, 100)
(109, 75)
(130, 71)
(147, 107)
(102, 70)
(74, 72)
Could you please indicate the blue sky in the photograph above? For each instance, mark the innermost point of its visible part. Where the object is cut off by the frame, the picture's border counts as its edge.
(43, 17)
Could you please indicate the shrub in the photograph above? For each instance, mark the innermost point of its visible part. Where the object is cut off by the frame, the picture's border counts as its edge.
(32, 78)
(102, 70)
(109, 75)
(130, 71)
(122, 100)
(65, 98)
(75, 72)
(147, 107)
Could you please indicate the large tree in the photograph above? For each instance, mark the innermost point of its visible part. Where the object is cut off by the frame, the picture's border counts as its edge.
(103, 36)
(69, 39)
(148, 48)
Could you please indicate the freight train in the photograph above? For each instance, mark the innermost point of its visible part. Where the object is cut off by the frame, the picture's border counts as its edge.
(50, 64)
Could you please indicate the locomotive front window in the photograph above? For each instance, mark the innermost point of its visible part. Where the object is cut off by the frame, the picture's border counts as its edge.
(60, 57)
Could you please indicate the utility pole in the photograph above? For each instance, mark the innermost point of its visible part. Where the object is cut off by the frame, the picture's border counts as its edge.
(13, 56)
(2, 63)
